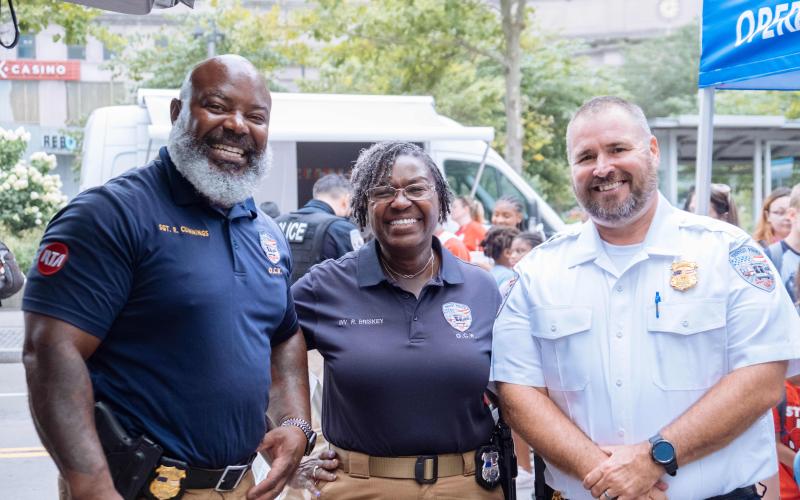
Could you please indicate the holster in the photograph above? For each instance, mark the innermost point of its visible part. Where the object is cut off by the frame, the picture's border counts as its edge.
(131, 461)
(503, 440)
(541, 490)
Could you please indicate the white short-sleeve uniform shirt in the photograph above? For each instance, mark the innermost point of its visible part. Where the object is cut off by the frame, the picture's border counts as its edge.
(620, 370)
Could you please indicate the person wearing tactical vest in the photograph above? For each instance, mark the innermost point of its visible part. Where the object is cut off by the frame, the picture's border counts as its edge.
(320, 230)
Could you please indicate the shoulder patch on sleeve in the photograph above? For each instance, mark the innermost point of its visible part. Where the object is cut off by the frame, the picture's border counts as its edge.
(752, 265)
(505, 290)
(51, 258)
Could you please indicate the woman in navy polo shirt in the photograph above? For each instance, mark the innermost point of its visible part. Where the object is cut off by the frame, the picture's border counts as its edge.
(405, 330)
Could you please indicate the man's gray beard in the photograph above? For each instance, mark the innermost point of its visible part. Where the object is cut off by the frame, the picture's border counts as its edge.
(630, 207)
(221, 187)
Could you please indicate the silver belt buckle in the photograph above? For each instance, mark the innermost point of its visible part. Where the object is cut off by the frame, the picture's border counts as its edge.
(240, 469)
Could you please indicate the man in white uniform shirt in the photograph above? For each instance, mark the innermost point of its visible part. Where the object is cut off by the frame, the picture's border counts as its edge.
(641, 352)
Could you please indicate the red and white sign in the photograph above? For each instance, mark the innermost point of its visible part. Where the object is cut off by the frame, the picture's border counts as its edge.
(32, 69)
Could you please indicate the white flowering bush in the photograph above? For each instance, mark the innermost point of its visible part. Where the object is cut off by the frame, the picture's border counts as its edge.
(29, 194)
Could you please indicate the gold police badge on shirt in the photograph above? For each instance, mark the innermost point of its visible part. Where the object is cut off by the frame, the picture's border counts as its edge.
(684, 275)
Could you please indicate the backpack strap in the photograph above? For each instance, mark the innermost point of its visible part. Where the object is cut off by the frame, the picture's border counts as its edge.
(782, 414)
(775, 254)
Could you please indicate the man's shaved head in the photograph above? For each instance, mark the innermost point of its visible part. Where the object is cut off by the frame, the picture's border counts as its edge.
(597, 105)
(231, 64)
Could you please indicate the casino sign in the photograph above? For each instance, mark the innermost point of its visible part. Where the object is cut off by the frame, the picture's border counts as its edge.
(32, 69)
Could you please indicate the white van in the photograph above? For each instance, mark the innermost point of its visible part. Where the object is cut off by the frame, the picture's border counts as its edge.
(312, 135)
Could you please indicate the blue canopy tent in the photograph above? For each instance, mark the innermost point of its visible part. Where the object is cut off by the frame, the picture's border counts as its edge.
(746, 45)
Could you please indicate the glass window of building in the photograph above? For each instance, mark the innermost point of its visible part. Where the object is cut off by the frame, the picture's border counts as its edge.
(108, 53)
(85, 97)
(26, 48)
(76, 52)
(25, 101)
(461, 176)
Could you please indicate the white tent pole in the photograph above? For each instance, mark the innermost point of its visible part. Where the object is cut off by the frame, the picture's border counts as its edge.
(758, 184)
(767, 168)
(705, 144)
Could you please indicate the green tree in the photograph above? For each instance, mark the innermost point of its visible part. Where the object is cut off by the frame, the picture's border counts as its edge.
(36, 15)
(163, 60)
(661, 73)
(449, 49)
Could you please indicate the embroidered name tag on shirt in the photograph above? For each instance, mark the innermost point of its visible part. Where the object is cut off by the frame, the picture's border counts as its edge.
(360, 322)
(166, 228)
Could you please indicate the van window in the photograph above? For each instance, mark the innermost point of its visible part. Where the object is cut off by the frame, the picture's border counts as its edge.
(493, 184)
(316, 159)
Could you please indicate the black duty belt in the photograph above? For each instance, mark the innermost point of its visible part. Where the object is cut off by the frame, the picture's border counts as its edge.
(226, 479)
(738, 494)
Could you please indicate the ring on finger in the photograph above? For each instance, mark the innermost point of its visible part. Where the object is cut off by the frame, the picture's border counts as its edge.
(314, 473)
(607, 496)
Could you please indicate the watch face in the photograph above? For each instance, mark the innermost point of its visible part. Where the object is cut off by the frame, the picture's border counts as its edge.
(663, 452)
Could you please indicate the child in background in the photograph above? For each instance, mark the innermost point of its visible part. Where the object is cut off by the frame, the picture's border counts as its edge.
(497, 246)
(468, 214)
(523, 243)
(787, 437)
(508, 211)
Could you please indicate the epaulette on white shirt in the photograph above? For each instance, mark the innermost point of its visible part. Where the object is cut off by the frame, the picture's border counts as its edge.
(569, 233)
(701, 223)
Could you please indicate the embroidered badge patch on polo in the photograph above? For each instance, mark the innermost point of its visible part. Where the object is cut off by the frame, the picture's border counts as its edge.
(52, 258)
(270, 247)
(458, 315)
(752, 265)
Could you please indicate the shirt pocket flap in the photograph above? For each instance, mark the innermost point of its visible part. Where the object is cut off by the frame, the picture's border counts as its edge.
(555, 322)
(687, 318)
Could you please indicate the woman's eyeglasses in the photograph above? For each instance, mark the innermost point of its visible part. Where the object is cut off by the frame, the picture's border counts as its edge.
(412, 192)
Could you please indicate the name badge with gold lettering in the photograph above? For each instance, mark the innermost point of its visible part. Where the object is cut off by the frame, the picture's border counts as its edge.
(684, 275)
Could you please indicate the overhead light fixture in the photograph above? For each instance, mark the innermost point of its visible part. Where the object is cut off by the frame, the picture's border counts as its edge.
(140, 7)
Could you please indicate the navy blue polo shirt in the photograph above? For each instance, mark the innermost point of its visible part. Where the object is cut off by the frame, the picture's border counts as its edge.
(187, 299)
(338, 240)
(402, 376)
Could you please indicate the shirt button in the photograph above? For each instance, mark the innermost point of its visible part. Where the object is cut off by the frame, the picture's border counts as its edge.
(621, 432)
(619, 334)
(685, 323)
(619, 288)
(619, 383)
(415, 318)
(553, 328)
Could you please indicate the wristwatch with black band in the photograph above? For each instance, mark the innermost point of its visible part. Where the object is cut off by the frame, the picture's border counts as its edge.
(663, 453)
(304, 426)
